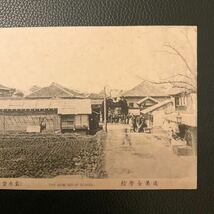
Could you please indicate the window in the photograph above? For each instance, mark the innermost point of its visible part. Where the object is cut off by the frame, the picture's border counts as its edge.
(177, 101)
(181, 101)
(131, 104)
(68, 121)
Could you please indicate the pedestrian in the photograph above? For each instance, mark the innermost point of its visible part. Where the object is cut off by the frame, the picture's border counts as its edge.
(42, 125)
(132, 123)
(170, 133)
(126, 139)
(128, 118)
(141, 123)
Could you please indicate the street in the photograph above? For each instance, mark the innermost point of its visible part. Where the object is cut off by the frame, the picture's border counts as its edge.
(143, 155)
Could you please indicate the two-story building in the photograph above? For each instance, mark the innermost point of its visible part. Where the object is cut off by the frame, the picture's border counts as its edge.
(185, 116)
(145, 95)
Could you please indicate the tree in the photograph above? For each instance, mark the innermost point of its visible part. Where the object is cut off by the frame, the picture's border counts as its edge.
(187, 80)
(18, 93)
(185, 52)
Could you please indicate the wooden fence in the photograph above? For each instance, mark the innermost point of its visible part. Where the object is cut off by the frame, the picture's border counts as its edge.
(18, 121)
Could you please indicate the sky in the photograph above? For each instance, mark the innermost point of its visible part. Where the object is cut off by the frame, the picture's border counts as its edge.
(89, 58)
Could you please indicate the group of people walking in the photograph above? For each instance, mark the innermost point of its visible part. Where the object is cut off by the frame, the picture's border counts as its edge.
(117, 112)
(118, 118)
(137, 123)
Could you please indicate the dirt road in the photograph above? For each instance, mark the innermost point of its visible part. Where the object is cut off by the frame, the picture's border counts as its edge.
(134, 155)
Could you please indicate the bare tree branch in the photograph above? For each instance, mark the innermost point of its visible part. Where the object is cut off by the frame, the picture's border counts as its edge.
(176, 75)
(165, 51)
(174, 83)
(182, 57)
(177, 81)
(183, 87)
(186, 76)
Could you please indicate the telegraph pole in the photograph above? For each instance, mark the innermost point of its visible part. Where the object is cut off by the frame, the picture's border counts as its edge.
(105, 111)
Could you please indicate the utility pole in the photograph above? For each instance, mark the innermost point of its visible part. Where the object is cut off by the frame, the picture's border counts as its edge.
(105, 111)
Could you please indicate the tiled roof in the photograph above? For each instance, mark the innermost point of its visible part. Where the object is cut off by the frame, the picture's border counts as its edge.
(94, 96)
(64, 106)
(148, 88)
(55, 90)
(4, 87)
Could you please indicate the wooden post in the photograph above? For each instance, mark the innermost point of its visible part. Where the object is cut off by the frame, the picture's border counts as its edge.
(105, 111)
(4, 128)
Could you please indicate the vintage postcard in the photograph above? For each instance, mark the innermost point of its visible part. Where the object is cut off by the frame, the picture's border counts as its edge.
(98, 107)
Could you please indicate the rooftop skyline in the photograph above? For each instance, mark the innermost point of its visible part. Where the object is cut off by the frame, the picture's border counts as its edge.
(88, 58)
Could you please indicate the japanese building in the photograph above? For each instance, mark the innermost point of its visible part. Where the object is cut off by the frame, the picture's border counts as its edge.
(58, 115)
(6, 92)
(145, 95)
(156, 113)
(55, 90)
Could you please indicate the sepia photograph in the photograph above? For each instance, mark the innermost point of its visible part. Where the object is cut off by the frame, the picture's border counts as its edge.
(98, 107)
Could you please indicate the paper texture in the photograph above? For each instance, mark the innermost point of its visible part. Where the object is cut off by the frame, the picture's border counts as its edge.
(98, 107)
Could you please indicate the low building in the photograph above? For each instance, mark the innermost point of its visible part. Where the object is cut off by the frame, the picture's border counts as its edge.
(58, 115)
(6, 92)
(96, 103)
(155, 114)
(55, 90)
(96, 100)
